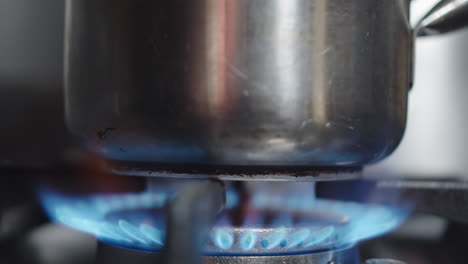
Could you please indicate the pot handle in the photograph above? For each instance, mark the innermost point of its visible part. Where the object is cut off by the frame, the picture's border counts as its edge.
(447, 15)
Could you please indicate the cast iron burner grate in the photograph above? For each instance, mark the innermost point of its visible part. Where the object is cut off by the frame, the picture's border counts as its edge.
(271, 222)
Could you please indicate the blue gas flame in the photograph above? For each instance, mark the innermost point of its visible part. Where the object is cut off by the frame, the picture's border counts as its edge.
(132, 220)
(248, 240)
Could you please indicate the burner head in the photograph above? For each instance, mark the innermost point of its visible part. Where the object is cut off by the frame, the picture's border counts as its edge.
(116, 255)
(259, 219)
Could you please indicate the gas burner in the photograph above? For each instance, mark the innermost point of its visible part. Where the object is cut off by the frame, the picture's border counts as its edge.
(116, 255)
(276, 218)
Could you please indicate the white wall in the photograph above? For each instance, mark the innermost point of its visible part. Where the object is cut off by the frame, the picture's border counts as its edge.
(436, 138)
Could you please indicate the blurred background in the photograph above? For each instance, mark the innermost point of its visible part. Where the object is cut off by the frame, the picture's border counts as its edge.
(33, 134)
(31, 110)
(435, 143)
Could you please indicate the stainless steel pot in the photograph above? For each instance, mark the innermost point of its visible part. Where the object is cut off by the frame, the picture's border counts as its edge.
(243, 82)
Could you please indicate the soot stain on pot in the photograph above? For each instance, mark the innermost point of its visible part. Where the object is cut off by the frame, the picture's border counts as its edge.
(102, 134)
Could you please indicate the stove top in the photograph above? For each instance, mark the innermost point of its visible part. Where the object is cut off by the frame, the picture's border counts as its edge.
(299, 227)
(261, 222)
